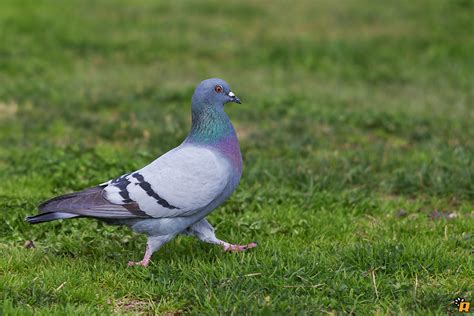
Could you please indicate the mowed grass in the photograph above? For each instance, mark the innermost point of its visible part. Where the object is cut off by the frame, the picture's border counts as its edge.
(356, 130)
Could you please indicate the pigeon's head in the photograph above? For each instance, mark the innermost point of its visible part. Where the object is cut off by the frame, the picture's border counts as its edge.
(213, 92)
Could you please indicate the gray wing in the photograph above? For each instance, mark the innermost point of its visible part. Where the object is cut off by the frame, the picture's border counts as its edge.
(179, 183)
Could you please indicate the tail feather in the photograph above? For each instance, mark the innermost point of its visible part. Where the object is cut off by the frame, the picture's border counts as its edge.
(87, 203)
(51, 204)
(47, 217)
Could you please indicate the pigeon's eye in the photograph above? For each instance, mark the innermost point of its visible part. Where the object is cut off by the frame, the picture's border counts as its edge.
(218, 89)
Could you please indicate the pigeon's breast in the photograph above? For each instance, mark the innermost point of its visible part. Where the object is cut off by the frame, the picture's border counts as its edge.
(230, 149)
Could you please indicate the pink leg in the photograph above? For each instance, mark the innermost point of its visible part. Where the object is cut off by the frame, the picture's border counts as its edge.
(153, 244)
(145, 261)
(205, 232)
(237, 248)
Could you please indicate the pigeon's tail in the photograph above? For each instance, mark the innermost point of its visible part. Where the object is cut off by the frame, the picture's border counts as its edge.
(87, 203)
(47, 217)
(50, 210)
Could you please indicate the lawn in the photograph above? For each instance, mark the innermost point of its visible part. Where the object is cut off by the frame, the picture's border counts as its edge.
(357, 134)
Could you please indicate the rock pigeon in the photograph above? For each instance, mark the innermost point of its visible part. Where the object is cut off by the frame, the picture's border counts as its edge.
(173, 194)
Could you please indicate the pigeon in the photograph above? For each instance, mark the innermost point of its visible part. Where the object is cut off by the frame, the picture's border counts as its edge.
(174, 193)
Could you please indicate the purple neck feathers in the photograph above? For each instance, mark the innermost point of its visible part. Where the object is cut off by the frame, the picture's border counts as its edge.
(213, 128)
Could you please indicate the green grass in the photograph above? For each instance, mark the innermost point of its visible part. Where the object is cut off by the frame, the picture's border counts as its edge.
(352, 111)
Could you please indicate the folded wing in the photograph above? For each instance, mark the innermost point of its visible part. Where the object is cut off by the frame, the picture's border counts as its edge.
(179, 183)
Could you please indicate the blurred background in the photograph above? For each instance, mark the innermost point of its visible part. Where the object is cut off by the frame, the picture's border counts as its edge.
(362, 107)
(362, 87)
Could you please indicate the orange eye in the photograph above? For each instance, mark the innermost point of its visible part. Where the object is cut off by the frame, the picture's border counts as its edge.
(218, 89)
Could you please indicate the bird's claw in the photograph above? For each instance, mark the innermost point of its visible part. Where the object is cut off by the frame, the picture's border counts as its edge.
(238, 248)
(143, 263)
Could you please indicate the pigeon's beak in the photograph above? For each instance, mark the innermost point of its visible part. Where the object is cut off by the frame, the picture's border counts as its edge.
(233, 98)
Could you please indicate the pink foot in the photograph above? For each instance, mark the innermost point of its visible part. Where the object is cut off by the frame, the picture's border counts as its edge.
(143, 263)
(238, 248)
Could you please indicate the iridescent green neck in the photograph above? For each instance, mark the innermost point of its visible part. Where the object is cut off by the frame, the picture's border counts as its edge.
(212, 127)
(209, 126)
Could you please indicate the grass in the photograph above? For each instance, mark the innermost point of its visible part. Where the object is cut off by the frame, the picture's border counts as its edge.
(356, 129)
